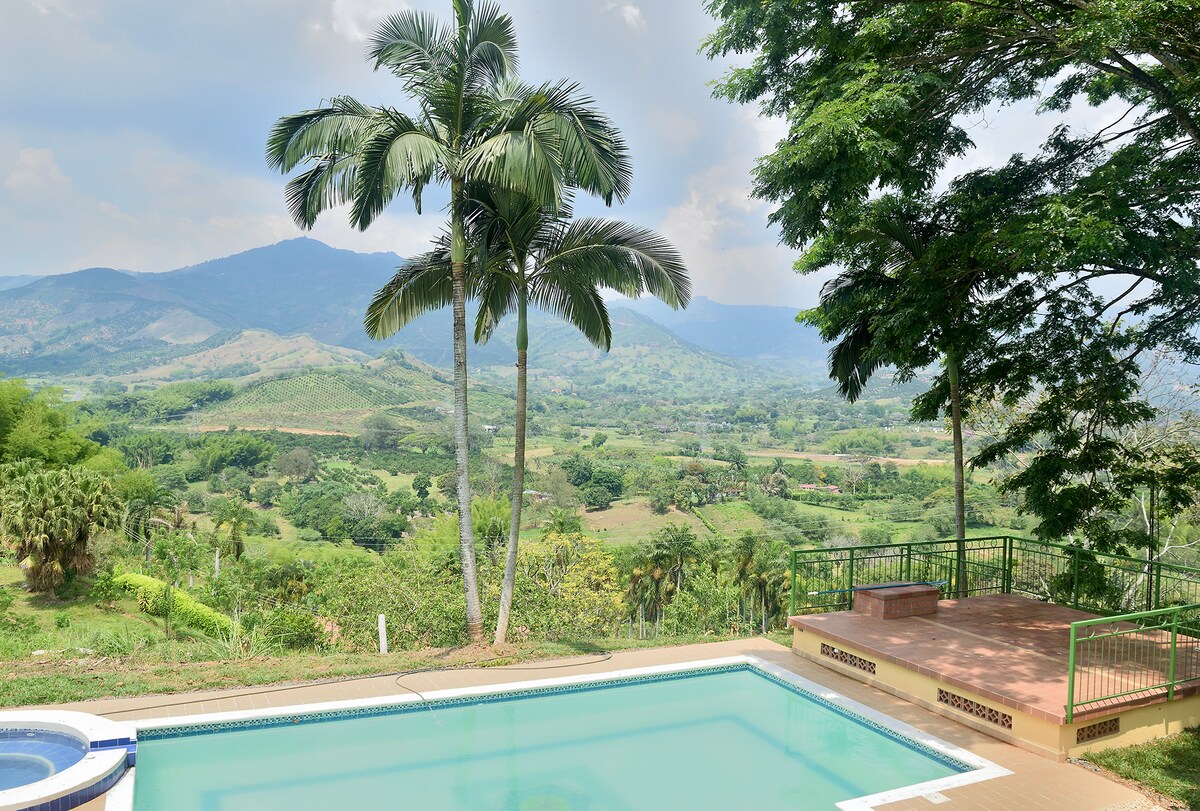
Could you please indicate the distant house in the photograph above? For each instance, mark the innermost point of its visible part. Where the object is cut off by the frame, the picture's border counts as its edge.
(828, 488)
(491, 429)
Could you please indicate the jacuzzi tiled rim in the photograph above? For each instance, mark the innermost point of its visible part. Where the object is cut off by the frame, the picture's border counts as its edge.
(975, 768)
(108, 753)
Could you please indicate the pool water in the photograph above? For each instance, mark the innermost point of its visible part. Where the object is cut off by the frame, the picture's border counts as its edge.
(732, 738)
(30, 755)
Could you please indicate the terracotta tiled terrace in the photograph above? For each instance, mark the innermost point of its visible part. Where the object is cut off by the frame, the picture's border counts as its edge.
(1009, 649)
(1037, 784)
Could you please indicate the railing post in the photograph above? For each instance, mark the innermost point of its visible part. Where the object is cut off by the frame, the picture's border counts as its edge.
(1071, 677)
(1158, 584)
(1006, 578)
(1075, 580)
(908, 562)
(850, 580)
(1171, 656)
(792, 611)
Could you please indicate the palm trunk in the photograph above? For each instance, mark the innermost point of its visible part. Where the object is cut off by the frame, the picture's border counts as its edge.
(466, 531)
(960, 507)
(518, 493)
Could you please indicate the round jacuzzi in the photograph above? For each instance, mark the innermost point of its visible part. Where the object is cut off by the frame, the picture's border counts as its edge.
(53, 761)
(30, 755)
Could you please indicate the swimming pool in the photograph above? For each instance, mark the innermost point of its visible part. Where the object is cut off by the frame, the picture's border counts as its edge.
(718, 734)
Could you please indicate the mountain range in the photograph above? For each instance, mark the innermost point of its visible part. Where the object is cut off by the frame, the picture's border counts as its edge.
(103, 321)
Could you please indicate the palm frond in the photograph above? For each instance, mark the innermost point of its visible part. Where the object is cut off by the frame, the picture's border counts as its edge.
(579, 303)
(328, 184)
(624, 257)
(421, 285)
(398, 154)
(336, 128)
(853, 360)
(490, 48)
(414, 46)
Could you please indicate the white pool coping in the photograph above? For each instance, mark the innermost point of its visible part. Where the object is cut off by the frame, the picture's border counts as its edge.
(94, 767)
(121, 797)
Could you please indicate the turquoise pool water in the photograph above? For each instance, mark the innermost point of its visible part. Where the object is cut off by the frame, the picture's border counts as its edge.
(30, 755)
(727, 739)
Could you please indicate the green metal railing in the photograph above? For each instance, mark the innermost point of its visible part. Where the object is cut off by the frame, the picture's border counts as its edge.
(1002, 564)
(1146, 641)
(1144, 653)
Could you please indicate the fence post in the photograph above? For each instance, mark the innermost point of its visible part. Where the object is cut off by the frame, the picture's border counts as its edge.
(1071, 677)
(1075, 580)
(850, 581)
(1158, 584)
(1171, 658)
(1006, 577)
(908, 562)
(383, 642)
(792, 612)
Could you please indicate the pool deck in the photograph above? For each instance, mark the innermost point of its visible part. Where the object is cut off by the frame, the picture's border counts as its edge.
(1009, 649)
(1037, 783)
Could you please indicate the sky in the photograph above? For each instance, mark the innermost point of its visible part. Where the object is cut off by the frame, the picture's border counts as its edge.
(133, 131)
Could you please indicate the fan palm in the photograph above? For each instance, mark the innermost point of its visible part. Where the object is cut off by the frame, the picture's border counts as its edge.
(474, 124)
(527, 253)
(49, 518)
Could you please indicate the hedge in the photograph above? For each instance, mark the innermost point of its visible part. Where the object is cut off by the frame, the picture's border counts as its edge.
(151, 598)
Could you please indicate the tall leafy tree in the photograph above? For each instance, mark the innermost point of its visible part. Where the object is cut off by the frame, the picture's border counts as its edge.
(530, 254)
(907, 297)
(474, 122)
(49, 517)
(1092, 233)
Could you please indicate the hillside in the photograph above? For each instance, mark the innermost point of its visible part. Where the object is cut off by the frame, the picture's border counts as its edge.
(341, 398)
(9, 282)
(647, 361)
(754, 332)
(250, 355)
(145, 327)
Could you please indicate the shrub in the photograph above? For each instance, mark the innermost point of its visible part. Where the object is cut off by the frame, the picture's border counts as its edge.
(596, 497)
(151, 598)
(294, 629)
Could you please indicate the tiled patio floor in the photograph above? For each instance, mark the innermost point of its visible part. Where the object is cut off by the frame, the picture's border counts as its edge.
(1010, 649)
(1037, 784)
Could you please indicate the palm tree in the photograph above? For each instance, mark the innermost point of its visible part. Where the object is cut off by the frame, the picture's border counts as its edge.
(234, 513)
(528, 253)
(50, 517)
(474, 124)
(903, 303)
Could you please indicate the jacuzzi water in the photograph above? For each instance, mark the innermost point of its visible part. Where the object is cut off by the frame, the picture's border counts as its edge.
(30, 755)
(706, 739)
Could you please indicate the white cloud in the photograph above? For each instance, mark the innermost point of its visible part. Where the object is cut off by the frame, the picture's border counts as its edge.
(37, 177)
(172, 211)
(356, 19)
(722, 231)
(630, 14)
(732, 255)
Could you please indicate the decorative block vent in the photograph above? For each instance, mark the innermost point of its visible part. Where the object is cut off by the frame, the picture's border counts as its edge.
(963, 704)
(1100, 729)
(839, 655)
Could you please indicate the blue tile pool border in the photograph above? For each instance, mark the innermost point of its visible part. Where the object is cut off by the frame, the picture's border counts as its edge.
(322, 716)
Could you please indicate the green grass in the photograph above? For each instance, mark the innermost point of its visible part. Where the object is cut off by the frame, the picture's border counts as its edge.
(1170, 766)
(64, 680)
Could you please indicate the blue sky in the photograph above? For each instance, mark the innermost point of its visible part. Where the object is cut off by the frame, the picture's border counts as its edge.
(133, 131)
